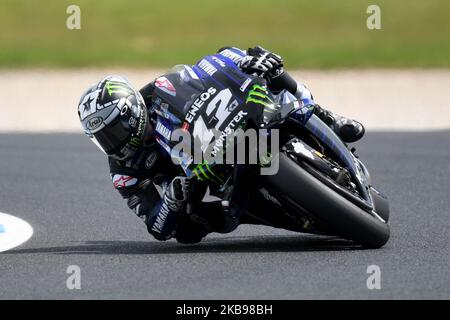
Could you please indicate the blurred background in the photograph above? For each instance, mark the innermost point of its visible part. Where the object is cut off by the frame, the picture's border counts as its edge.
(142, 33)
(375, 75)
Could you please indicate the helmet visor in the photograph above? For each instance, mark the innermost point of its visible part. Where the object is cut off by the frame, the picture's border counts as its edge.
(112, 137)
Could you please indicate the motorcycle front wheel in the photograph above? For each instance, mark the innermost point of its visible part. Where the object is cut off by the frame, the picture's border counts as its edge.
(293, 184)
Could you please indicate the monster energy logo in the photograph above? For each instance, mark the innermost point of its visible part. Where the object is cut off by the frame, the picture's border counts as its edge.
(265, 160)
(259, 95)
(136, 140)
(203, 172)
(117, 87)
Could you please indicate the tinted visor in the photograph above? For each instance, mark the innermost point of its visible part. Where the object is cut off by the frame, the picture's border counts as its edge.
(112, 137)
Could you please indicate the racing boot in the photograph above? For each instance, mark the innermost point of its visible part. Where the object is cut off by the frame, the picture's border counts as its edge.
(347, 129)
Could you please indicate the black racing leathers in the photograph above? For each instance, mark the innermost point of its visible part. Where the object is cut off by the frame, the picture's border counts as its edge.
(139, 178)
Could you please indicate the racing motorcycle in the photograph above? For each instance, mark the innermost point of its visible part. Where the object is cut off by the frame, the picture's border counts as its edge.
(323, 187)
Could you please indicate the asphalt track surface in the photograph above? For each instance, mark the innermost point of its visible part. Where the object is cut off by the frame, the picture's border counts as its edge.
(60, 185)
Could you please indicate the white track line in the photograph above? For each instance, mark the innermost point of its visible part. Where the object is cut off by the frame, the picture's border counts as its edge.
(13, 231)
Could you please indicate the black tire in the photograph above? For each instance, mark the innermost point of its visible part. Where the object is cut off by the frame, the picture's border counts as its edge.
(381, 204)
(339, 214)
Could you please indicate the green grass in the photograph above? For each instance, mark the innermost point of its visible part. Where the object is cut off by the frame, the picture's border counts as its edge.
(308, 34)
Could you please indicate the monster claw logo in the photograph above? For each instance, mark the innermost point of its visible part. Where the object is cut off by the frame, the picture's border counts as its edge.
(203, 171)
(259, 95)
(118, 87)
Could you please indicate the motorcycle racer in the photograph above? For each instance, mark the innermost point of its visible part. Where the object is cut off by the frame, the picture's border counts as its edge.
(117, 119)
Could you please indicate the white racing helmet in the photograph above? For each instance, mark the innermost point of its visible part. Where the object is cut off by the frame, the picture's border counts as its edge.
(114, 116)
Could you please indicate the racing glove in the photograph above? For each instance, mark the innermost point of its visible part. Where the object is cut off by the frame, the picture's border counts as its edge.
(162, 221)
(176, 193)
(261, 62)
